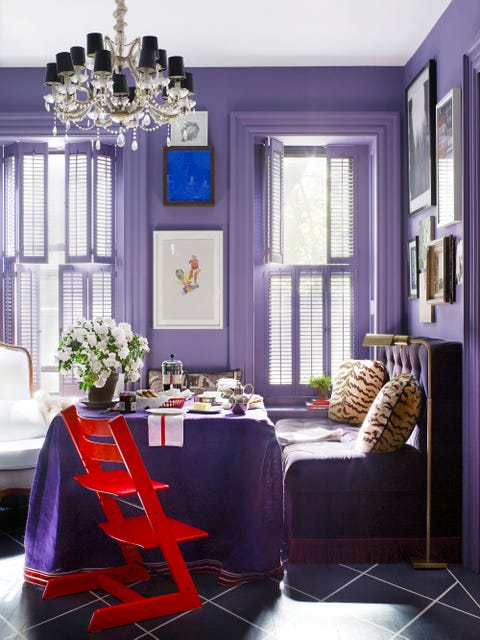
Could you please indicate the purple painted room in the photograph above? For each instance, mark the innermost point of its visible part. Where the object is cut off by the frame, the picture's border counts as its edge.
(271, 254)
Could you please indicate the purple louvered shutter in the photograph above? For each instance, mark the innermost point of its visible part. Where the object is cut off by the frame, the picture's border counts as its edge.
(28, 313)
(100, 295)
(8, 301)
(32, 176)
(273, 192)
(72, 305)
(104, 204)
(78, 189)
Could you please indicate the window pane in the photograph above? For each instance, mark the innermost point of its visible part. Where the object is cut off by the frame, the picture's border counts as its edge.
(305, 211)
(280, 329)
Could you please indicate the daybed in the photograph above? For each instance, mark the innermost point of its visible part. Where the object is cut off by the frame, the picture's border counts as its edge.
(341, 505)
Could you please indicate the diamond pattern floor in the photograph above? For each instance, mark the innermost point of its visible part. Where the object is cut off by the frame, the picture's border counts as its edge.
(326, 602)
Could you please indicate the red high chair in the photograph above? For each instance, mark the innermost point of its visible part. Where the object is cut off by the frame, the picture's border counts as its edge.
(114, 443)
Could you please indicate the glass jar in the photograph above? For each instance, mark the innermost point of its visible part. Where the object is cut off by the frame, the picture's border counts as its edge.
(127, 402)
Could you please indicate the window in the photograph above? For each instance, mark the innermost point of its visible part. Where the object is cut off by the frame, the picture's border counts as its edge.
(312, 210)
(58, 247)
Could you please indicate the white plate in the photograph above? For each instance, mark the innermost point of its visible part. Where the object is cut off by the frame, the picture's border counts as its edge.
(165, 411)
(211, 409)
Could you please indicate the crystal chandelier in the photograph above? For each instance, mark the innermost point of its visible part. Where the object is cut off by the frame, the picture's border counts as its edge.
(115, 86)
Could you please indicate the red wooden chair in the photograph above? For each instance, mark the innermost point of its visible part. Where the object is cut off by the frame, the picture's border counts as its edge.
(106, 441)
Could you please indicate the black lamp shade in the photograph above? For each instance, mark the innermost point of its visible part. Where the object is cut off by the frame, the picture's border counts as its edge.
(120, 84)
(131, 94)
(51, 75)
(162, 58)
(147, 60)
(103, 62)
(175, 67)
(150, 42)
(65, 64)
(94, 42)
(187, 82)
(78, 56)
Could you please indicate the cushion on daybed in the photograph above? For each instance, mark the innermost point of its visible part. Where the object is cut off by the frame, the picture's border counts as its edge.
(392, 416)
(355, 387)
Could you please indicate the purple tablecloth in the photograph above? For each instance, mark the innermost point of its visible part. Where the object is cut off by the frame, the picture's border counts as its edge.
(226, 479)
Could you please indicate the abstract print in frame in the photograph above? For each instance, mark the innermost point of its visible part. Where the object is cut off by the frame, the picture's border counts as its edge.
(187, 279)
(420, 108)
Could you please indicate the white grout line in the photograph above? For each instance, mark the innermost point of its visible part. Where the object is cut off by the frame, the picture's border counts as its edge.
(464, 588)
(16, 634)
(421, 613)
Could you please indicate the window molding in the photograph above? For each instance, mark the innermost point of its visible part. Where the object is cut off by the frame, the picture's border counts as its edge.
(381, 130)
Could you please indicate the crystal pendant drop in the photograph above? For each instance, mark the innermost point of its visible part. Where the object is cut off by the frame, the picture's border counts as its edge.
(54, 130)
(147, 120)
(121, 139)
(134, 145)
(169, 142)
(97, 145)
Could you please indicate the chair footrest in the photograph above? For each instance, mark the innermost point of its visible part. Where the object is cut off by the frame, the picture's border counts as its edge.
(117, 482)
(138, 531)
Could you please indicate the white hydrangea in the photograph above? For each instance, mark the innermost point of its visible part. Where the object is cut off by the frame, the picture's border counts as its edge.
(94, 349)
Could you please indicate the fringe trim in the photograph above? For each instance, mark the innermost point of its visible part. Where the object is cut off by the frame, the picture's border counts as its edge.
(375, 550)
(214, 567)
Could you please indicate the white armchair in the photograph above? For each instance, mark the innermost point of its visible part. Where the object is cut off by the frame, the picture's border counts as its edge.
(22, 425)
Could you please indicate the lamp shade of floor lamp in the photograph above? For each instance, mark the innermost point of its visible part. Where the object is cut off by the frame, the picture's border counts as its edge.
(385, 340)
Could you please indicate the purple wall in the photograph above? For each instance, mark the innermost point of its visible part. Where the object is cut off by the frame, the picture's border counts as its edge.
(221, 91)
(453, 35)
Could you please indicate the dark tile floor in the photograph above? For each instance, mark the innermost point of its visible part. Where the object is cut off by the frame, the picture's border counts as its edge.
(322, 602)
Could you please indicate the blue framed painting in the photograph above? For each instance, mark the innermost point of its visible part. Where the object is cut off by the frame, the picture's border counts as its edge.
(188, 176)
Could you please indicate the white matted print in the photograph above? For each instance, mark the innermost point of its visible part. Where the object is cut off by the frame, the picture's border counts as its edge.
(187, 279)
(190, 130)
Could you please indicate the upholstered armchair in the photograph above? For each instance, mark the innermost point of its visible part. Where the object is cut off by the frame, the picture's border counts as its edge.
(22, 425)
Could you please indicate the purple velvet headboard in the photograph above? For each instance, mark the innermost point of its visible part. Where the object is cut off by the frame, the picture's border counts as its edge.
(446, 394)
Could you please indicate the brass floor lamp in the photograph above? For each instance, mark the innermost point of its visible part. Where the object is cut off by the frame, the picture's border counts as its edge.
(386, 340)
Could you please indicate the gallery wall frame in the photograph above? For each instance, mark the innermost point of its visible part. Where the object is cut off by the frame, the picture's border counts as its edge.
(420, 116)
(441, 268)
(449, 158)
(188, 176)
(412, 248)
(426, 233)
(190, 130)
(188, 279)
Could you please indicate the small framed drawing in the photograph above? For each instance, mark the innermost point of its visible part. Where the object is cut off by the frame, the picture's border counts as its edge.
(187, 279)
(449, 158)
(188, 176)
(413, 268)
(437, 271)
(190, 130)
(420, 111)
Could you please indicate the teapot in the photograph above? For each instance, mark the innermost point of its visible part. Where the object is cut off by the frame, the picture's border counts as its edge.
(240, 398)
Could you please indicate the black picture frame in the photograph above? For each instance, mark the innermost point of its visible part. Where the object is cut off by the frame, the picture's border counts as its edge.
(412, 247)
(420, 105)
(188, 176)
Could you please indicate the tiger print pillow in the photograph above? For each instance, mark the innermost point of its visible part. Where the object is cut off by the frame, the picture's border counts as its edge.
(392, 416)
(354, 389)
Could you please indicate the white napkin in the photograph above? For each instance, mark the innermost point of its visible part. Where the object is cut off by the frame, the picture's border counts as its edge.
(308, 434)
(165, 431)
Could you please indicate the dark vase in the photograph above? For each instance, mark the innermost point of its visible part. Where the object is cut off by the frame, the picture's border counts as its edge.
(103, 394)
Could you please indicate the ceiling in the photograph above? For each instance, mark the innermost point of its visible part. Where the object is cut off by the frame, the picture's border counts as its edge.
(219, 33)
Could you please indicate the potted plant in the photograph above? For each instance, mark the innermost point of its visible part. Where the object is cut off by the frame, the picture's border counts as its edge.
(322, 384)
(97, 350)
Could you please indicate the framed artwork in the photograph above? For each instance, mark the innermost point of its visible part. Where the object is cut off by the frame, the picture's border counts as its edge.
(187, 279)
(420, 107)
(413, 267)
(426, 312)
(190, 130)
(439, 271)
(188, 176)
(449, 158)
(426, 230)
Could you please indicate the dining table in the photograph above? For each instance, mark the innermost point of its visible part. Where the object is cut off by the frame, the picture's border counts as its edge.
(226, 479)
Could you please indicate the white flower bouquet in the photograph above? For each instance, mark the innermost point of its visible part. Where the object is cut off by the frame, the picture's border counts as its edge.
(93, 349)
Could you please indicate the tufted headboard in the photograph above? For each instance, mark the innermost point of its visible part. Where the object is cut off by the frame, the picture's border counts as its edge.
(446, 394)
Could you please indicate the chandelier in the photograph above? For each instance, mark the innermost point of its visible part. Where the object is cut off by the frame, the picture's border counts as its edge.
(117, 86)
